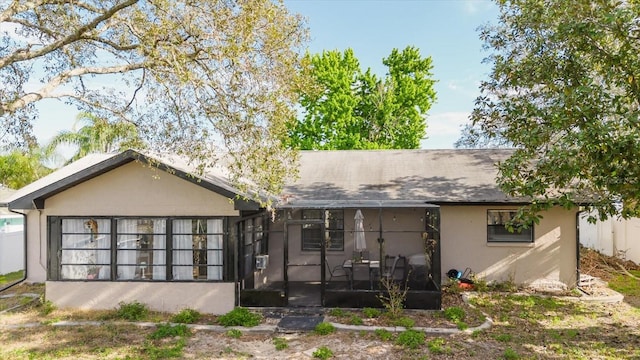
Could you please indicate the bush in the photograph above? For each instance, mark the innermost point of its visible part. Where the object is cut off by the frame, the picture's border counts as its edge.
(337, 312)
(186, 316)
(405, 322)
(234, 333)
(324, 328)
(355, 320)
(371, 313)
(384, 334)
(133, 311)
(166, 330)
(454, 314)
(280, 343)
(411, 339)
(240, 317)
(323, 352)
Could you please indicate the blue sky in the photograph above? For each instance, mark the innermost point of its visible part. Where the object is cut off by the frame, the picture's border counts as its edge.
(446, 30)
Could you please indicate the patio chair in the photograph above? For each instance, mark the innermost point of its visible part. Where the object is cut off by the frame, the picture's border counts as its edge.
(337, 271)
(397, 270)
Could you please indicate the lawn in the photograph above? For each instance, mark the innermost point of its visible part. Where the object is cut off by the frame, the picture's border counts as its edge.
(524, 326)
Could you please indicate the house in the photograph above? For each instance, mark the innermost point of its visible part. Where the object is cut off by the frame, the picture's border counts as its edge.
(11, 238)
(125, 227)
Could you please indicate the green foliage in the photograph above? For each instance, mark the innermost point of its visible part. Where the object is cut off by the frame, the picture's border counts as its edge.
(393, 299)
(404, 321)
(411, 339)
(167, 331)
(503, 337)
(19, 168)
(97, 135)
(165, 350)
(564, 91)
(134, 311)
(324, 328)
(186, 316)
(626, 285)
(322, 352)
(383, 334)
(155, 64)
(355, 320)
(436, 346)
(337, 312)
(346, 108)
(47, 307)
(240, 317)
(454, 314)
(11, 277)
(371, 313)
(280, 343)
(510, 354)
(234, 333)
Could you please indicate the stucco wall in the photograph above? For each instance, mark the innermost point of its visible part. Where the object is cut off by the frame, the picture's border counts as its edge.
(552, 255)
(130, 190)
(212, 298)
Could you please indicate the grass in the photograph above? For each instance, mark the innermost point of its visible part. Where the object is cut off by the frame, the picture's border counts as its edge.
(11, 277)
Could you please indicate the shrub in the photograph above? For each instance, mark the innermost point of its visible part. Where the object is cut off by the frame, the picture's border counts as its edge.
(166, 330)
(133, 311)
(371, 313)
(355, 320)
(234, 333)
(404, 321)
(323, 352)
(436, 346)
(324, 328)
(454, 314)
(186, 316)
(337, 312)
(394, 299)
(280, 343)
(239, 317)
(411, 339)
(384, 334)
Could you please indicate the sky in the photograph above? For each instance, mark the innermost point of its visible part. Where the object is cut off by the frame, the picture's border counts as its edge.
(446, 30)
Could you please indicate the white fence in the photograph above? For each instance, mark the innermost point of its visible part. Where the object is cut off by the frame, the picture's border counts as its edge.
(11, 249)
(613, 237)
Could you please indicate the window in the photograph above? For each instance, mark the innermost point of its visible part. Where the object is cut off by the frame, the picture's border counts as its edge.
(152, 249)
(141, 249)
(497, 232)
(85, 251)
(334, 230)
(197, 249)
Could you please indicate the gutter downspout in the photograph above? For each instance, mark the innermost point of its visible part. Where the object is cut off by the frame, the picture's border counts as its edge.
(24, 241)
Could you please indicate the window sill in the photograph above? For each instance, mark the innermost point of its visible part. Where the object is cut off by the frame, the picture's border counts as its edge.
(511, 244)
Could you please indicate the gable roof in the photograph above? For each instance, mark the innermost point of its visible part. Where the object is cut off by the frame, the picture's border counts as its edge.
(350, 178)
(93, 165)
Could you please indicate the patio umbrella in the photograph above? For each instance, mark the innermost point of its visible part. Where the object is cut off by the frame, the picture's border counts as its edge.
(359, 242)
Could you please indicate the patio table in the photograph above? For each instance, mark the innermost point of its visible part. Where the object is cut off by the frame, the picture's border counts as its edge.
(374, 265)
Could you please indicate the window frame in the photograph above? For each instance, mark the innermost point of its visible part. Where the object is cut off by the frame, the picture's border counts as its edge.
(497, 232)
(331, 227)
(55, 248)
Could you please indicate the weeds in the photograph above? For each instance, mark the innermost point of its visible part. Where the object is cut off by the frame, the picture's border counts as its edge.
(133, 311)
(436, 346)
(234, 333)
(371, 313)
(186, 316)
(411, 339)
(323, 352)
(324, 328)
(240, 317)
(383, 334)
(167, 331)
(280, 343)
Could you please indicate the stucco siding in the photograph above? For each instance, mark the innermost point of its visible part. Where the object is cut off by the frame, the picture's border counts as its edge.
(130, 190)
(551, 256)
(211, 298)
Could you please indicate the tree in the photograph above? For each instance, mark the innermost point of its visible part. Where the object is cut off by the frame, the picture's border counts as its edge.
(348, 109)
(18, 168)
(201, 78)
(565, 91)
(98, 135)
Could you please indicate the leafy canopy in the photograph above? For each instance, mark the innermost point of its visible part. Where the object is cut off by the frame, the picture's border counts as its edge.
(19, 168)
(346, 108)
(564, 91)
(198, 78)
